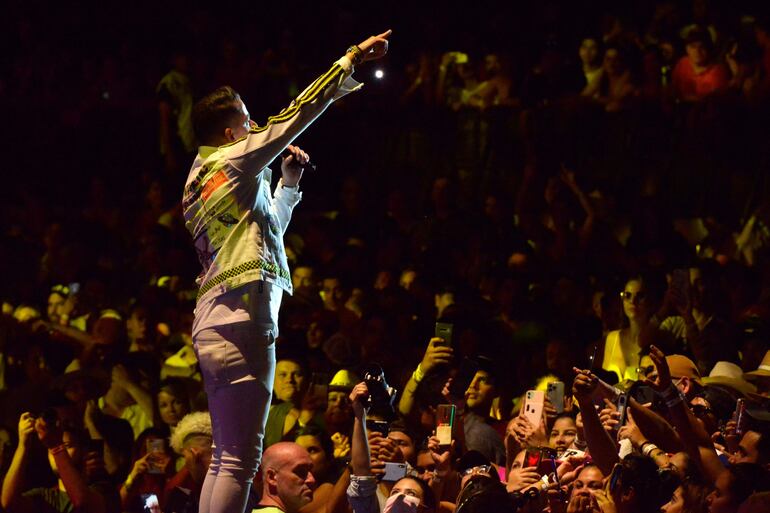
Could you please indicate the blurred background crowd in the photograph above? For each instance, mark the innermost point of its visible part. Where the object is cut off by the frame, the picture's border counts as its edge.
(565, 185)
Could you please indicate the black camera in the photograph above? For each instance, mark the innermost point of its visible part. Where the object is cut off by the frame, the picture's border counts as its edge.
(381, 396)
(520, 499)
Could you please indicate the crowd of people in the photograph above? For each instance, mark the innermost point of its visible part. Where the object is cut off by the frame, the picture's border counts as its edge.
(567, 213)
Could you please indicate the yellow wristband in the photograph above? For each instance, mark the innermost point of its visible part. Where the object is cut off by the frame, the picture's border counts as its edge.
(418, 374)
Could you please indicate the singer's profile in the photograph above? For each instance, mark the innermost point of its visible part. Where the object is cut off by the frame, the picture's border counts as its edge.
(237, 225)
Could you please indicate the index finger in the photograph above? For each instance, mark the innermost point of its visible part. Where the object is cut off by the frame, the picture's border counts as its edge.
(385, 34)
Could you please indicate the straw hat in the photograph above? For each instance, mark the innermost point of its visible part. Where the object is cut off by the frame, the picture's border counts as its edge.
(730, 375)
(763, 371)
(682, 367)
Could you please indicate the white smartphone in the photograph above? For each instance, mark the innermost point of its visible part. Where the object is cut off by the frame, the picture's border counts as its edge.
(533, 406)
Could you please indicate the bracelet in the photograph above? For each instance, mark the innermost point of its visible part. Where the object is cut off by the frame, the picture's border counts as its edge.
(418, 374)
(669, 392)
(56, 450)
(284, 186)
(648, 450)
(358, 55)
(645, 444)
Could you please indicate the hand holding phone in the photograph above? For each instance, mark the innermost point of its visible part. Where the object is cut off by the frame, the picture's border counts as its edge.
(437, 353)
(157, 459)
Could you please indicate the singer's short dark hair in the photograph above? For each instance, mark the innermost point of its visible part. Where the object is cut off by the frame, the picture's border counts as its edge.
(213, 113)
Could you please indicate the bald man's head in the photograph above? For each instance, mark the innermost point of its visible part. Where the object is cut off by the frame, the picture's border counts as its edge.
(287, 481)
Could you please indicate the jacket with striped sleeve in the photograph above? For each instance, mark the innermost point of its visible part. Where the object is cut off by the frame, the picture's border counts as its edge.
(236, 223)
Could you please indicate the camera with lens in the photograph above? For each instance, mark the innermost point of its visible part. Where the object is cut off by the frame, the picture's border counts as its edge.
(521, 499)
(381, 396)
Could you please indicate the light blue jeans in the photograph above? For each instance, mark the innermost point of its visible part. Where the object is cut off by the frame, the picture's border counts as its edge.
(238, 365)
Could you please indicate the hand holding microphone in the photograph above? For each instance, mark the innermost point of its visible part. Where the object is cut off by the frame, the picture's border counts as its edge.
(294, 162)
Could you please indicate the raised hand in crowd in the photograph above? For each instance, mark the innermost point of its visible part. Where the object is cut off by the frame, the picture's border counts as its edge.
(26, 430)
(601, 444)
(610, 416)
(525, 434)
(437, 353)
(383, 448)
(341, 445)
(442, 456)
(584, 386)
(631, 431)
(520, 478)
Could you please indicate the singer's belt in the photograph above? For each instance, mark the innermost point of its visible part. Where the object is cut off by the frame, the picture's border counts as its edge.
(251, 265)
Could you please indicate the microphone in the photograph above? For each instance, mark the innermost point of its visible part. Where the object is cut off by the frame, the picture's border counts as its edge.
(309, 164)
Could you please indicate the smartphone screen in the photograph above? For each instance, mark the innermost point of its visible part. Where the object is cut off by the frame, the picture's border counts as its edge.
(156, 447)
(532, 457)
(445, 419)
(151, 504)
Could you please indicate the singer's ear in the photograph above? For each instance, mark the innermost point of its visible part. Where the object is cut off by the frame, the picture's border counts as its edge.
(229, 136)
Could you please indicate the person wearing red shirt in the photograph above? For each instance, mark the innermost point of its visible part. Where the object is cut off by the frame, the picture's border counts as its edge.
(697, 75)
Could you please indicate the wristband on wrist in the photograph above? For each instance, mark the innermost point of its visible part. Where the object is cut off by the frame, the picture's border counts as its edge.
(358, 55)
(647, 451)
(644, 444)
(418, 374)
(670, 392)
(283, 185)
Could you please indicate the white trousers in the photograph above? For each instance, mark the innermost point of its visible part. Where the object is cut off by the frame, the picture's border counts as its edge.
(238, 365)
